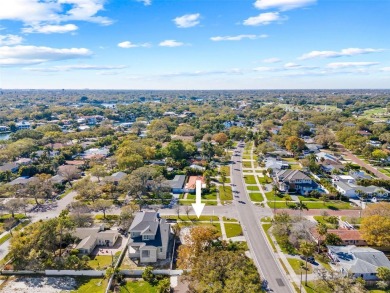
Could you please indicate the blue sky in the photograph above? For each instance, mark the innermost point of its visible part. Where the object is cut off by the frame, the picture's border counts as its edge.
(194, 44)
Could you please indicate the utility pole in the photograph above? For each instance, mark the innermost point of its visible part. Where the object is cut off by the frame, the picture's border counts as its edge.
(300, 285)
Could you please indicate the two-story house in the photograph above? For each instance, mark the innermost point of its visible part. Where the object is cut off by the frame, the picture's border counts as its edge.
(294, 181)
(150, 237)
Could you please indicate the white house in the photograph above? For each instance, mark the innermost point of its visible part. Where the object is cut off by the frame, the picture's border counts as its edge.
(358, 262)
(91, 237)
(347, 186)
(23, 125)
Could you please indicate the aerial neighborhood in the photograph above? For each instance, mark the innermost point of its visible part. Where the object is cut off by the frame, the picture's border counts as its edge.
(100, 187)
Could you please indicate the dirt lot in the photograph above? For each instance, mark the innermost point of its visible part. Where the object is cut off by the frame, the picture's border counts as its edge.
(39, 285)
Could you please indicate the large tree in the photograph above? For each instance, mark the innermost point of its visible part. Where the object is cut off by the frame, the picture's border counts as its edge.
(102, 206)
(87, 189)
(307, 249)
(224, 271)
(376, 230)
(294, 144)
(198, 240)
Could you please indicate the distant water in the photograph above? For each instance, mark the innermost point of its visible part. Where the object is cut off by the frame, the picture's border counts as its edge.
(4, 136)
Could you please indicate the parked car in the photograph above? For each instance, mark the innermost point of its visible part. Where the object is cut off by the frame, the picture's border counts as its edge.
(310, 259)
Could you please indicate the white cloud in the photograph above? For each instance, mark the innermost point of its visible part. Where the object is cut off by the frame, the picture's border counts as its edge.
(292, 65)
(237, 38)
(37, 12)
(146, 2)
(264, 19)
(187, 20)
(342, 53)
(385, 69)
(50, 29)
(23, 55)
(9, 40)
(171, 43)
(265, 69)
(337, 65)
(128, 45)
(282, 5)
(271, 60)
(74, 67)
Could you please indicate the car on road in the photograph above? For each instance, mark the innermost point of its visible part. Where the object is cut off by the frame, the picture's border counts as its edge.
(310, 259)
(242, 202)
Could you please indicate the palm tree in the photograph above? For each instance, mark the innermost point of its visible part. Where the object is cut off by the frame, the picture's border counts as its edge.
(362, 197)
(322, 229)
(223, 178)
(301, 206)
(307, 249)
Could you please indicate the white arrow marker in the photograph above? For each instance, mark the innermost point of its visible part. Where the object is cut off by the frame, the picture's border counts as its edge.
(198, 206)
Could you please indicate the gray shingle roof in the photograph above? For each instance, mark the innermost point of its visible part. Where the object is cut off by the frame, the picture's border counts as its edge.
(359, 260)
(149, 223)
(177, 182)
(289, 175)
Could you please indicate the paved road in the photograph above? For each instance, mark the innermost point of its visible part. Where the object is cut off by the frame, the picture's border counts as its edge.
(361, 163)
(264, 259)
(350, 156)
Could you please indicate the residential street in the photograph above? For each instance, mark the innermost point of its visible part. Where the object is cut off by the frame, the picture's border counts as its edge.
(264, 259)
(361, 163)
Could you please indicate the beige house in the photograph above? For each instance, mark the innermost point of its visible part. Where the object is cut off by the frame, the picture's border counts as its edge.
(91, 237)
(149, 238)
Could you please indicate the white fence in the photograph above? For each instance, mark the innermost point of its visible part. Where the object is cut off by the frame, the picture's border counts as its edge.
(136, 273)
(54, 273)
(89, 273)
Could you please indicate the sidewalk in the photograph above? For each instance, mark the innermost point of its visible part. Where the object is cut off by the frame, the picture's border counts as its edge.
(223, 231)
(291, 274)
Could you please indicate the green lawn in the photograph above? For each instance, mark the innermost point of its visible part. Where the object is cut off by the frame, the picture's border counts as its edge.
(230, 220)
(337, 205)
(279, 204)
(250, 179)
(191, 224)
(295, 167)
(352, 220)
(225, 193)
(266, 227)
(88, 285)
(247, 164)
(247, 157)
(5, 238)
(264, 180)
(266, 219)
(211, 194)
(304, 198)
(295, 264)
(281, 197)
(226, 169)
(233, 230)
(321, 219)
(192, 218)
(253, 188)
(100, 261)
(138, 287)
(188, 202)
(227, 180)
(256, 196)
(8, 216)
